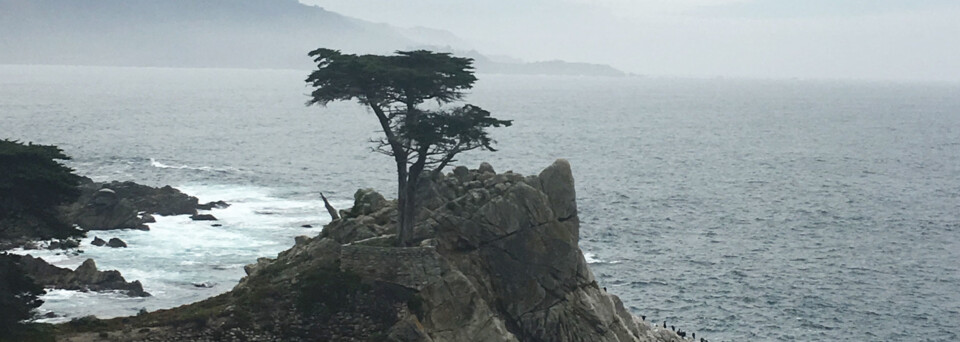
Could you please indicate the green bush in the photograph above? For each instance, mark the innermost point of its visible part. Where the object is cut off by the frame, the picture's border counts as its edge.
(32, 180)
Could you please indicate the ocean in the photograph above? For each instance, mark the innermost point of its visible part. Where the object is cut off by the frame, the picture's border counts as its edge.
(742, 210)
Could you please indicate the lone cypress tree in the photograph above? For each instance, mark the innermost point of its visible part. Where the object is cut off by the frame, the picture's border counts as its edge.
(395, 87)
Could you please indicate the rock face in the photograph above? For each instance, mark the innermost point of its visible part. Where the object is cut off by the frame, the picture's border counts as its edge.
(85, 278)
(498, 260)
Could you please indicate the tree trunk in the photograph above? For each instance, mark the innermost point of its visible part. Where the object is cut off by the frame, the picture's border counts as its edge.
(408, 209)
(330, 209)
(407, 215)
(402, 200)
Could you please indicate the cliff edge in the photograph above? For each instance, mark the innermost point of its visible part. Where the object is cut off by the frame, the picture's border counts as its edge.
(498, 260)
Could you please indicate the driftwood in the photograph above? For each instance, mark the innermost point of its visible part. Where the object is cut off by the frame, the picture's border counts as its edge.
(333, 212)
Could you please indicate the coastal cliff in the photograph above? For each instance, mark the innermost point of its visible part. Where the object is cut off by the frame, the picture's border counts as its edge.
(498, 260)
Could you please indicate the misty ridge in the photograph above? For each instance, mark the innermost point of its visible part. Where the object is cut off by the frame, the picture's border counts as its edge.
(257, 34)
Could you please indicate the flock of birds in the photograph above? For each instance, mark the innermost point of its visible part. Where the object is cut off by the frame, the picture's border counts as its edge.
(681, 333)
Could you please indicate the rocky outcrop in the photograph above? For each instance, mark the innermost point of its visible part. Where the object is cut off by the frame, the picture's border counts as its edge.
(117, 205)
(497, 260)
(85, 278)
(103, 206)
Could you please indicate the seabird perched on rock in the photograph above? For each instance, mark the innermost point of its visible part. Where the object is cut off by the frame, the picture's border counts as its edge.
(673, 328)
(682, 334)
(643, 318)
(664, 324)
(694, 336)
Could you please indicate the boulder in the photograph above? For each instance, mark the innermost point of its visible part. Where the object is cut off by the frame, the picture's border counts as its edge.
(147, 218)
(485, 167)
(116, 243)
(366, 201)
(556, 181)
(203, 217)
(97, 241)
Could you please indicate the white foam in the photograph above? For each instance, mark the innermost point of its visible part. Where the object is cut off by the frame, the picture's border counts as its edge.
(178, 252)
(592, 258)
(157, 164)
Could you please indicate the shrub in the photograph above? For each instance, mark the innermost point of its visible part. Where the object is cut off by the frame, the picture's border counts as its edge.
(32, 180)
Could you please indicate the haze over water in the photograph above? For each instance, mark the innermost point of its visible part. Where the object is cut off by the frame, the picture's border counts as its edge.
(740, 210)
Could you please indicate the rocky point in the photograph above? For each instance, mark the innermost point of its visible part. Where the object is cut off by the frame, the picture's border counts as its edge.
(496, 259)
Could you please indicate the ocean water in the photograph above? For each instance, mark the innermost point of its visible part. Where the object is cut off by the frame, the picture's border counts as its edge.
(742, 210)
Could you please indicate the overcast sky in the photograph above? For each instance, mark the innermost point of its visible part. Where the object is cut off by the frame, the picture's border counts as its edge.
(834, 39)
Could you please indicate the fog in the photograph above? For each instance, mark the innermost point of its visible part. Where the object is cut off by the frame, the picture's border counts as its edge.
(810, 39)
(822, 39)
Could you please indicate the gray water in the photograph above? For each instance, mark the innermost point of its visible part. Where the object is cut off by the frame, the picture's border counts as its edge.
(736, 209)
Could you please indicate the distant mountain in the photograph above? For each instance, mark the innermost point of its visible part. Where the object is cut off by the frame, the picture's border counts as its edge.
(182, 33)
(508, 65)
(215, 33)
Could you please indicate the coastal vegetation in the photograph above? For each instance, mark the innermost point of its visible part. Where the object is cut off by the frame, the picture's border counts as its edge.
(33, 182)
(395, 88)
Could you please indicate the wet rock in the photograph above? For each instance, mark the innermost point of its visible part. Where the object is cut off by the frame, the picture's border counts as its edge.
(213, 205)
(97, 241)
(116, 243)
(147, 218)
(203, 217)
(69, 243)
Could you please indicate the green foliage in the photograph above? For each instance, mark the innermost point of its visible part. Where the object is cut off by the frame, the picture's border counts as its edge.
(409, 77)
(18, 295)
(32, 180)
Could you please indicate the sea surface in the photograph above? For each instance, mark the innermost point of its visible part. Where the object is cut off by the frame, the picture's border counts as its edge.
(742, 210)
